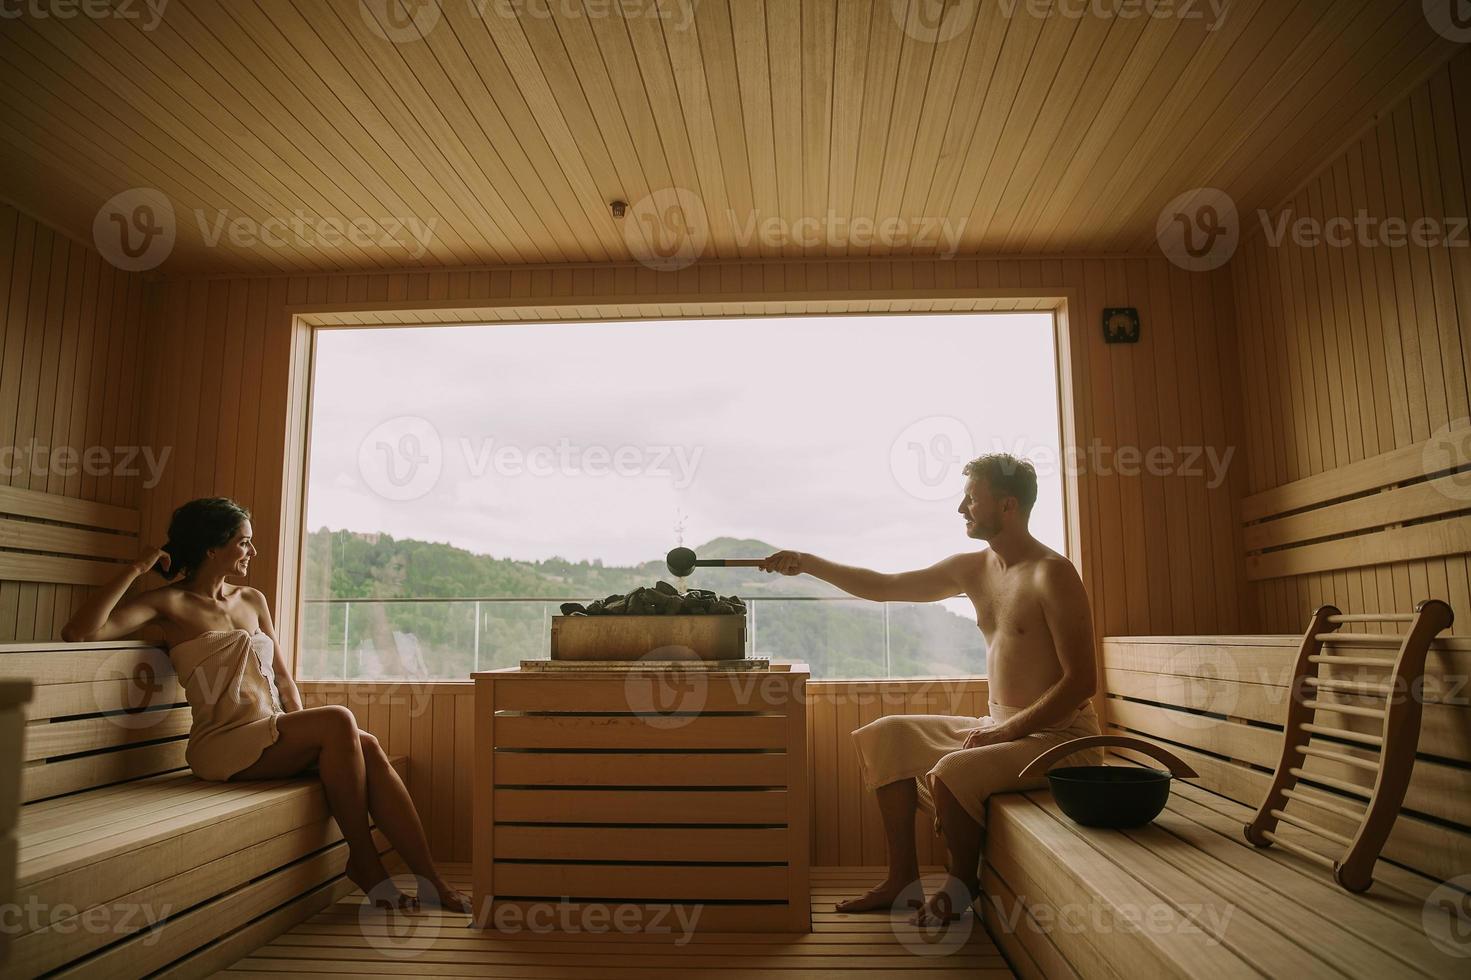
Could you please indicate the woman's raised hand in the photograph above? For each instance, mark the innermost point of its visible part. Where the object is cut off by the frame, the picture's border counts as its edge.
(150, 557)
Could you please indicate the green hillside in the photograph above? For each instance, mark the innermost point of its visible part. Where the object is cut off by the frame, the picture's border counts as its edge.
(438, 639)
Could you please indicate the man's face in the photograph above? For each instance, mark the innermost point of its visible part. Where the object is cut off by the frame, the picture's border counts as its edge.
(980, 508)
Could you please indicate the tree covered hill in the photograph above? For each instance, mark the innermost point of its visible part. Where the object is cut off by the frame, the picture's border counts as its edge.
(838, 639)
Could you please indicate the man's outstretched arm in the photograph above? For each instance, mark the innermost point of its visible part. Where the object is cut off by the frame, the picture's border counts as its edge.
(939, 581)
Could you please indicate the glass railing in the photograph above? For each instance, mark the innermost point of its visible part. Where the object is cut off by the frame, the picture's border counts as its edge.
(448, 639)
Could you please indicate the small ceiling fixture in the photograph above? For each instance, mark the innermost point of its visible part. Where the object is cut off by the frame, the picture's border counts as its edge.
(620, 208)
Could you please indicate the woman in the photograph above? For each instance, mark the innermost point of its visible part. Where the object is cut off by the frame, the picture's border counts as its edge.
(248, 722)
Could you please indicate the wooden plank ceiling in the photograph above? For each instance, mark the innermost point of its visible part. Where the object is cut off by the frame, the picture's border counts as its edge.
(499, 131)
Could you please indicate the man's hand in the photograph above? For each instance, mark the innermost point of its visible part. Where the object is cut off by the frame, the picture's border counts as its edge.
(987, 735)
(785, 563)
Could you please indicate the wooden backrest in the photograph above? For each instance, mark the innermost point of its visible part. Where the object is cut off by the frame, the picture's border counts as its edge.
(52, 548)
(1400, 506)
(100, 713)
(1220, 703)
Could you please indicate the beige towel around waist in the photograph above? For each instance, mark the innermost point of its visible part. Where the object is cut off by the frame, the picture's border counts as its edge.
(929, 747)
(229, 678)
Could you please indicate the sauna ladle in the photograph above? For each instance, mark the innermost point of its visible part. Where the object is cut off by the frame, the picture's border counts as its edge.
(682, 561)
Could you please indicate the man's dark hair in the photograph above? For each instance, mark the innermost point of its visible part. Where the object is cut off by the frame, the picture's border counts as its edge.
(1008, 476)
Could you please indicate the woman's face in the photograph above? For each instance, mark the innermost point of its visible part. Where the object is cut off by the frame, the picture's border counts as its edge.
(233, 557)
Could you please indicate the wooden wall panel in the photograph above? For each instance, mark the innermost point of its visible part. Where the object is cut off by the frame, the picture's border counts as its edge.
(1350, 352)
(70, 355)
(1160, 552)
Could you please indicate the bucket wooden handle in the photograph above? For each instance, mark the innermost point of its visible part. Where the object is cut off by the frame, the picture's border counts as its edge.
(1173, 763)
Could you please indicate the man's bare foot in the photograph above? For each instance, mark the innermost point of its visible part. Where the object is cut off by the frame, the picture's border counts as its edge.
(947, 904)
(439, 894)
(879, 898)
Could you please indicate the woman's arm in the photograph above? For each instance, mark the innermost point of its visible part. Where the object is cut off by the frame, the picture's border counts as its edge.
(102, 618)
(285, 682)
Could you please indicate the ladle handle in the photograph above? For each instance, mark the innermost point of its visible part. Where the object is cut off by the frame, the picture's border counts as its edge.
(1172, 762)
(730, 562)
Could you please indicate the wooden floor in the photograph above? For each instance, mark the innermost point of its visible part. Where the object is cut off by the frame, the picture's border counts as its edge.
(344, 941)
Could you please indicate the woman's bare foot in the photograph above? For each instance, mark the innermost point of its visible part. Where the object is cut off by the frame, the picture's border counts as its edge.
(881, 897)
(947, 904)
(379, 887)
(440, 894)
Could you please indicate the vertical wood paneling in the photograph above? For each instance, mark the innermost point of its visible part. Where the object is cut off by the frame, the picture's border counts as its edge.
(1348, 352)
(70, 329)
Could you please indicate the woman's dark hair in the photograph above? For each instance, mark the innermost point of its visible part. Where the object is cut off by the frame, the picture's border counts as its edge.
(196, 527)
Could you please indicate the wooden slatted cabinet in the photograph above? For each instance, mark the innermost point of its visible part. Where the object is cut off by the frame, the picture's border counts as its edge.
(677, 800)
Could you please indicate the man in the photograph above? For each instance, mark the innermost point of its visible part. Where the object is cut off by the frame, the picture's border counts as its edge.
(1032, 608)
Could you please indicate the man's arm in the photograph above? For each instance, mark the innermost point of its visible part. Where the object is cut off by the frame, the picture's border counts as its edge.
(1069, 620)
(940, 581)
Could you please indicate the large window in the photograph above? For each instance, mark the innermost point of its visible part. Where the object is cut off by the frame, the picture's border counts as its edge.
(464, 481)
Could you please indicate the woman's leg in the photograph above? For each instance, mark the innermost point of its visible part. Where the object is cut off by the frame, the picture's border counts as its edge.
(328, 736)
(393, 809)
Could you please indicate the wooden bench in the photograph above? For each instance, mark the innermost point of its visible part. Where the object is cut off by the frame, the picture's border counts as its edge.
(128, 864)
(1187, 895)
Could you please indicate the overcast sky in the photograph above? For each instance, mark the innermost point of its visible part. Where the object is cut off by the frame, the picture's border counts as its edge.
(842, 436)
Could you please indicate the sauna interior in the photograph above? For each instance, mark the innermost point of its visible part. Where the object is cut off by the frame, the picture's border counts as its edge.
(405, 278)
